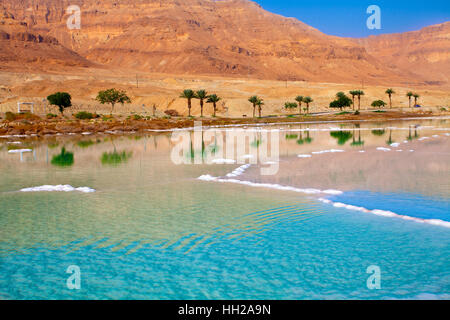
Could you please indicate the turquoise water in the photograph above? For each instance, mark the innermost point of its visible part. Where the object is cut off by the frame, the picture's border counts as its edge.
(152, 230)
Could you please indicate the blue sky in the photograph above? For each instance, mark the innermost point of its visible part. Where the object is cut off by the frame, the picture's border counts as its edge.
(348, 18)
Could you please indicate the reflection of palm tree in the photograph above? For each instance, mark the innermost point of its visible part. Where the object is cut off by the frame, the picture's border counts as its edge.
(300, 140)
(359, 142)
(308, 138)
(409, 135)
(390, 141)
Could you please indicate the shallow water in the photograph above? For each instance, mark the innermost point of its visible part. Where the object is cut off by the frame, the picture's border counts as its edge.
(151, 229)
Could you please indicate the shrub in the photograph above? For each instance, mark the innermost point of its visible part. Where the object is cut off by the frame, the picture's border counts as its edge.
(51, 115)
(83, 115)
(10, 116)
(357, 113)
(137, 117)
(443, 109)
(172, 113)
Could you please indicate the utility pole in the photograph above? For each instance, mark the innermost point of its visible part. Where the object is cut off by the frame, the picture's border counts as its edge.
(137, 81)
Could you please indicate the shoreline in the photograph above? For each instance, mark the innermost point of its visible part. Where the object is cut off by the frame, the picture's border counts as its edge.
(33, 126)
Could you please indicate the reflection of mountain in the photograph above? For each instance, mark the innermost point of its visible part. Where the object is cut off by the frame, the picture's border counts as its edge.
(230, 37)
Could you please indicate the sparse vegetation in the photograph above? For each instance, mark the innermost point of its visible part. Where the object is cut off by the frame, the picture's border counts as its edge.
(9, 116)
(51, 115)
(290, 105)
(253, 100)
(260, 103)
(409, 95)
(299, 100)
(83, 115)
(307, 100)
(378, 104)
(201, 95)
(390, 92)
(188, 94)
(172, 113)
(213, 98)
(61, 99)
(342, 101)
(112, 97)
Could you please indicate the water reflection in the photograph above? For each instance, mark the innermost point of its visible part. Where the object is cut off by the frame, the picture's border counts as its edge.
(64, 159)
(115, 158)
(341, 136)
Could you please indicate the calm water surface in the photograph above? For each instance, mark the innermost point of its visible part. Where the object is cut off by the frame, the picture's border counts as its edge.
(153, 230)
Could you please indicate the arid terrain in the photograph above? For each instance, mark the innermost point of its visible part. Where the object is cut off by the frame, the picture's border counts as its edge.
(155, 49)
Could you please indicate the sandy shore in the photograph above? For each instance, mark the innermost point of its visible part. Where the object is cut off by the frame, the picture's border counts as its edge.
(36, 126)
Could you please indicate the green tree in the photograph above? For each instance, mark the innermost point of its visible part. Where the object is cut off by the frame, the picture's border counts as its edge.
(254, 100)
(290, 105)
(201, 95)
(213, 98)
(390, 92)
(61, 99)
(260, 103)
(416, 96)
(112, 97)
(359, 94)
(189, 95)
(409, 95)
(378, 104)
(341, 101)
(299, 100)
(307, 100)
(354, 93)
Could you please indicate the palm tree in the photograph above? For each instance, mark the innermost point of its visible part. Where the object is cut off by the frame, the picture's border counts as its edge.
(359, 94)
(260, 103)
(201, 95)
(416, 96)
(390, 92)
(189, 95)
(354, 93)
(254, 100)
(307, 100)
(299, 99)
(213, 98)
(409, 95)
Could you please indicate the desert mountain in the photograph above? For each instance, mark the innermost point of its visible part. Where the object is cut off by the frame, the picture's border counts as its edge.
(425, 53)
(228, 38)
(20, 47)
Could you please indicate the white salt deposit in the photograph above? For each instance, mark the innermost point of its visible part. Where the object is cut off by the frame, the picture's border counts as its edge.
(385, 213)
(20, 150)
(57, 188)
